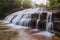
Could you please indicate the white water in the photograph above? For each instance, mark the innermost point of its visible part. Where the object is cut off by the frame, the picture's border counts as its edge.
(49, 22)
(19, 15)
(21, 19)
(38, 20)
(37, 23)
(49, 25)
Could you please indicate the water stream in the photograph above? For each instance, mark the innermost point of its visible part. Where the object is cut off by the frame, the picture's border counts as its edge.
(23, 18)
(49, 23)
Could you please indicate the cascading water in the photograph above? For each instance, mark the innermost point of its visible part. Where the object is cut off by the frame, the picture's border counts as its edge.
(25, 20)
(49, 23)
(41, 11)
(22, 18)
(36, 29)
(37, 23)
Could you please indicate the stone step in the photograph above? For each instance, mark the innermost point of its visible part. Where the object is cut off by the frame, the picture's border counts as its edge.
(2, 28)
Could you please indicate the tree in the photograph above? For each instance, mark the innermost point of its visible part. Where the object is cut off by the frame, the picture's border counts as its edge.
(27, 4)
(54, 3)
(42, 5)
(6, 5)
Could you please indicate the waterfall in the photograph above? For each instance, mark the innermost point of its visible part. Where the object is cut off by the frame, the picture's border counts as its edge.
(41, 11)
(9, 18)
(25, 20)
(37, 23)
(24, 17)
(49, 23)
(38, 20)
(36, 29)
(21, 18)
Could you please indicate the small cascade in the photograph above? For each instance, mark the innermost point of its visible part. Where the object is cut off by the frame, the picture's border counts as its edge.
(41, 11)
(15, 17)
(37, 23)
(7, 19)
(25, 20)
(38, 20)
(22, 18)
(49, 23)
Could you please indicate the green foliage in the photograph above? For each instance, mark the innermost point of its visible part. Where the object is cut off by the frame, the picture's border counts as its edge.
(6, 5)
(27, 4)
(42, 5)
(54, 3)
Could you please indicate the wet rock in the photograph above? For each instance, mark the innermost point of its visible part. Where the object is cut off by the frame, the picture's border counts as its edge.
(57, 26)
(35, 16)
(56, 16)
(43, 17)
(56, 22)
(32, 23)
(42, 25)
